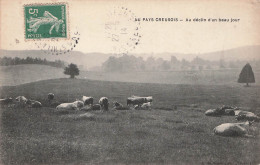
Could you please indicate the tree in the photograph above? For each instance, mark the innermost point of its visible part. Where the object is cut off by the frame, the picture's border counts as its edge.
(72, 70)
(165, 65)
(246, 75)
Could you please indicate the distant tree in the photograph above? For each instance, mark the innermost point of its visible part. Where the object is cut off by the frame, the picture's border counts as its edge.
(150, 63)
(5, 61)
(246, 75)
(113, 64)
(165, 65)
(174, 60)
(198, 61)
(72, 70)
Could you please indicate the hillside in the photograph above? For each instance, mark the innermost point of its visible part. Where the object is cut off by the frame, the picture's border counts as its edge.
(20, 74)
(166, 95)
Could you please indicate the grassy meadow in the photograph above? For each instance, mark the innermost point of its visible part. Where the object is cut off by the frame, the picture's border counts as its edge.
(204, 77)
(175, 131)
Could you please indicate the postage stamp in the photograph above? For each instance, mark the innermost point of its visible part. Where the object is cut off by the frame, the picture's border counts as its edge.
(45, 21)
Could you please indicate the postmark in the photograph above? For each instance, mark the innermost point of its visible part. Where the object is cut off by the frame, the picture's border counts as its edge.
(122, 30)
(57, 46)
(45, 21)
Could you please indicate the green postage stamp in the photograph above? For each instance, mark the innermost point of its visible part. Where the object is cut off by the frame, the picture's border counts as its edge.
(45, 21)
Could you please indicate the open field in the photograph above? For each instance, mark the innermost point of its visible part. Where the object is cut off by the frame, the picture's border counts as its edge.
(205, 77)
(176, 131)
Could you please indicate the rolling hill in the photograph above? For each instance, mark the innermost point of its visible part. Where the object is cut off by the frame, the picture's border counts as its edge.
(20, 74)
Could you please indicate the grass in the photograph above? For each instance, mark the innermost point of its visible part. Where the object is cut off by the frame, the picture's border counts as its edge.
(205, 77)
(174, 132)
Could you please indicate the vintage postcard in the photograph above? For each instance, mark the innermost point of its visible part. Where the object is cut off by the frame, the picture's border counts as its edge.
(129, 82)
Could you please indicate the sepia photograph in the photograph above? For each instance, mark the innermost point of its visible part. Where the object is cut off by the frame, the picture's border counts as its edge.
(118, 82)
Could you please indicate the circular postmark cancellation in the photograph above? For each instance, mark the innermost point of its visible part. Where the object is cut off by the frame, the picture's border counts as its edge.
(122, 30)
(57, 46)
(47, 25)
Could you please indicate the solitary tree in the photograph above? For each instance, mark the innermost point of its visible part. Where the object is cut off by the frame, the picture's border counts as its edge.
(246, 75)
(72, 70)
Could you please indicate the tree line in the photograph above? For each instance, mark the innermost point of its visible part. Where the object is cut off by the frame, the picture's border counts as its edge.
(133, 63)
(5, 61)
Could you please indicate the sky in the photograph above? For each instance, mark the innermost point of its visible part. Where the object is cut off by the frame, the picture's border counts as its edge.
(94, 21)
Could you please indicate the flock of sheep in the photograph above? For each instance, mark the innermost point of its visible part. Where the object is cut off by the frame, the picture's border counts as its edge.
(234, 129)
(137, 102)
(86, 103)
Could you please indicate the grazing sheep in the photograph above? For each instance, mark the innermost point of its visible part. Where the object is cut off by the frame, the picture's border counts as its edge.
(50, 96)
(103, 101)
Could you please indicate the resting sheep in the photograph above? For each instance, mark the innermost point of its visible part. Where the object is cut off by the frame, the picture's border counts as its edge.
(234, 129)
(137, 100)
(224, 110)
(33, 103)
(87, 100)
(76, 105)
(119, 106)
(6, 101)
(21, 101)
(144, 106)
(91, 107)
(245, 115)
